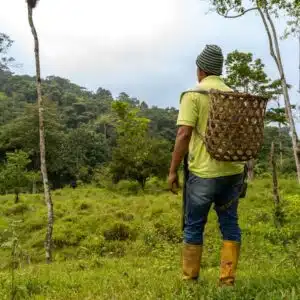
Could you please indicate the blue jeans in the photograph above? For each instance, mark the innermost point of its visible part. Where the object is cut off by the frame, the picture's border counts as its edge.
(201, 193)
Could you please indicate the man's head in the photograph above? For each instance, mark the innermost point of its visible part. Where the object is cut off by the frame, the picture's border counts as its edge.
(209, 62)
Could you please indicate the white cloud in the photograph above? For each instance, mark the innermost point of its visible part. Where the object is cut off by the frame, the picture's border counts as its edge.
(73, 31)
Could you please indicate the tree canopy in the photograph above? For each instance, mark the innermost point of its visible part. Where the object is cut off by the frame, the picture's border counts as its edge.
(89, 130)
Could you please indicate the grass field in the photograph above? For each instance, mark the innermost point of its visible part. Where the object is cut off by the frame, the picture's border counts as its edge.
(115, 245)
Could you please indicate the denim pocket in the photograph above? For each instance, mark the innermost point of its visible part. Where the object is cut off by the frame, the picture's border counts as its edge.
(229, 190)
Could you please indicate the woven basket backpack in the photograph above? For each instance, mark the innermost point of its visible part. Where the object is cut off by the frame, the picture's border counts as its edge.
(235, 125)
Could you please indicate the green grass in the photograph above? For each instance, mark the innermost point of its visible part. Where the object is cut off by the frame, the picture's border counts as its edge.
(112, 245)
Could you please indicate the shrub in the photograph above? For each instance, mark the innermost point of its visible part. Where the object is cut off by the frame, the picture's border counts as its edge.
(84, 206)
(168, 232)
(113, 249)
(102, 177)
(127, 186)
(93, 242)
(36, 223)
(124, 216)
(120, 232)
(151, 239)
(16, 209)
(288, 166)
(67, 235)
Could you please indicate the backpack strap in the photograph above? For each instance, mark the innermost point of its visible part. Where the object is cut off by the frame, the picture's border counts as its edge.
(200, 91)
(194, 90)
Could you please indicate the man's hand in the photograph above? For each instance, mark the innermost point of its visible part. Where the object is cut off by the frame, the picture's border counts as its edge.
(181, 148)
(173, 182)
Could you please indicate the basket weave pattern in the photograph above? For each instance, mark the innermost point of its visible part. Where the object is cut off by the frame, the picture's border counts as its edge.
(235, 125)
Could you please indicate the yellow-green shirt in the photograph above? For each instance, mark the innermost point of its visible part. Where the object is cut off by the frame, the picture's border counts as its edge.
(194, 108)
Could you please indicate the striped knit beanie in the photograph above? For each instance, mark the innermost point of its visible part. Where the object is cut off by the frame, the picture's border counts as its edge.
(211, 60)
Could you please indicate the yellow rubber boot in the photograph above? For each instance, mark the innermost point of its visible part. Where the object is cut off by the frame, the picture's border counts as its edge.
(229, 260)
(191, 259)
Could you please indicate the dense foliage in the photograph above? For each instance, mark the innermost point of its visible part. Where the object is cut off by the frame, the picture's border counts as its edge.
(81, 133)
(88, 132)
(80, 125)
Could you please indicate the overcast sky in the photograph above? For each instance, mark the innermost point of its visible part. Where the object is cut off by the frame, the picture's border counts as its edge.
(146, 48)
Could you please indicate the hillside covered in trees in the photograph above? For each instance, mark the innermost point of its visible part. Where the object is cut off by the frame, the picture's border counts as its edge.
(80, 125)
(92, 135)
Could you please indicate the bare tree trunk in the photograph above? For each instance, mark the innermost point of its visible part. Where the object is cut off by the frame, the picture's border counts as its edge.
(274, 174)
(275, 53)
(34, 186)
(299, 61)
(48, 200)
(281, 154)
(250, 166)
(279, 137)
(278, 213)
(17, 198)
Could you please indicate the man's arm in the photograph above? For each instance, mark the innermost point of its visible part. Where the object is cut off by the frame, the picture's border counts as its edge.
(187, 120)
(182, 142)
(181, 148)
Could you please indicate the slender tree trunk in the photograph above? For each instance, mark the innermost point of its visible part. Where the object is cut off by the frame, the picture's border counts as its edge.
(34, 186)
(250, 166)
(279, 138)
(299, 61)
(142, 182)
(274, 175)
(278, 213)
(48, 200)
(280, 147)
(281, 154)
(292, 126)
(275, 53)
(17, 198)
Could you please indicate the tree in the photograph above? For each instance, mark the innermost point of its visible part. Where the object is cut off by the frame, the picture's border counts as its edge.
(133, 102)
(245, 74)
(294, 30)
(14, 176)
(267, 10)
(31, 4)
(104, 122)
(137, 155)
(144, 106)
(84, 148)
(163, 122)
(103, 93)
(277, 114)
(5, 44)
(282, 139)
(34, 178)
(23, 133)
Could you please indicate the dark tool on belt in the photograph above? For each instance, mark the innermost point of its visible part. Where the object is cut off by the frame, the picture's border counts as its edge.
(185, 179)
(245, 184)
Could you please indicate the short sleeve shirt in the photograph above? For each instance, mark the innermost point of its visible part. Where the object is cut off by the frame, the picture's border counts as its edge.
(193, 111)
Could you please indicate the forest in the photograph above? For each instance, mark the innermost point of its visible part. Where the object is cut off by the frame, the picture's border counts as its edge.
(90, 136)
